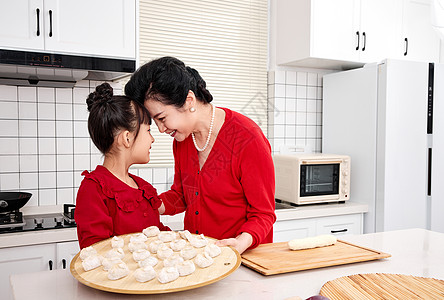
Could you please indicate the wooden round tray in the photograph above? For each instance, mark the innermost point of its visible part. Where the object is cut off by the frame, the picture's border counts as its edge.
(224, 264)
(383, 286)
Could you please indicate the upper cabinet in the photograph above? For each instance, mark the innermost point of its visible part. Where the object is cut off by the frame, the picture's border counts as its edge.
(349, 33)
(105, 28)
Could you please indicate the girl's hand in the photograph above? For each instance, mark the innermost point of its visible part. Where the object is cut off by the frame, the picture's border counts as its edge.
(161, 208)
(240, 243)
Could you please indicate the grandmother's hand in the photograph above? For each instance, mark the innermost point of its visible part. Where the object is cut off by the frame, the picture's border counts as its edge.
(240, 243)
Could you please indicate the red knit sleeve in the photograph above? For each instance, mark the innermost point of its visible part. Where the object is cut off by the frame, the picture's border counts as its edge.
(174, 200)
(94, 223)
(258, 182)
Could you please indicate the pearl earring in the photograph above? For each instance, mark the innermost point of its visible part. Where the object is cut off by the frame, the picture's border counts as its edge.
(192, 109)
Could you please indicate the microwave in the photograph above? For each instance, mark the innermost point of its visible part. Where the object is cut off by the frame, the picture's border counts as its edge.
(312, 178)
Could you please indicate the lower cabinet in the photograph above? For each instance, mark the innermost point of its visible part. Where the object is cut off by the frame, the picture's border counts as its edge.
(35, 258)
(286, 230)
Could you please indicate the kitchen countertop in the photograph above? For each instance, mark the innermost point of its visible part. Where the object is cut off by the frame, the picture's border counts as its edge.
(287, 212)
(415, 252)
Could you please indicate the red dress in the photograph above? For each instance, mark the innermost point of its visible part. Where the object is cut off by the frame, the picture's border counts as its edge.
(106, 206)
(234, 191)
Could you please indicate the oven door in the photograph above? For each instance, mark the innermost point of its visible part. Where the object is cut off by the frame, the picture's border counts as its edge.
(319, 179)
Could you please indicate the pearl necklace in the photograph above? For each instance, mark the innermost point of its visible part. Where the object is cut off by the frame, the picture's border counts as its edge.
(209, 133)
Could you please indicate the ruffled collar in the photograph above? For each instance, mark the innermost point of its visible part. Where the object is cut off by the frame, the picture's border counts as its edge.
(127, 198)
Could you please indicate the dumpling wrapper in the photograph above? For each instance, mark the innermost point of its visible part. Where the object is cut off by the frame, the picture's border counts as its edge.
(151, 231)
(107, 263)
(149, 261)
(138, 237)
(91, 262)
(167, 236)
(178, 244)
(115, 252)
(118, 271)
(186, 268)
(117, 242)
(137, 245)
(199, 241)
(172, 261)
(188, 252)
(203, 260)
(168, 274)
(87, 251)
(164, 252)
(145, 274)
(154, 246)
(141, 254)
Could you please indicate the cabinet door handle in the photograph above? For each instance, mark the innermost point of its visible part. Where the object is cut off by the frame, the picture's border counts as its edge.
(64, 263)
(50, 265)
(365, 40)
(338, 231)
(50, 23)
(357, 35)
(38, 21)
(406, 46)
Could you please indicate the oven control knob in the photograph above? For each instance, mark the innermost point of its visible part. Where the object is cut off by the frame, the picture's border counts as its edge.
(58, 221)
(344, 191)
(344, 182)
(345, 173)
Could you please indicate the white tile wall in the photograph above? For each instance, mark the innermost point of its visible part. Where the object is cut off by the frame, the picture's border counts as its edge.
(45, 143)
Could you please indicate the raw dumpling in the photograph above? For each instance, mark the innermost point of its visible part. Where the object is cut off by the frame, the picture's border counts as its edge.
(151, 231)
(138, 237)
(312, 242)
(213, 250)
(85, 252)
(186, 267)
(145, 274)
(149, 261)
(115, 252)
(168, 274)
(172, 261)
(164, 252)
(186, 235)
(107, 263)
(118, 271)
(199, 241)
(141, 254)
(117, 242)
(203, 260)
(178, 245)
(136, 245)
(155, 245)
(167, 236)
(188, 252)
(91, 262)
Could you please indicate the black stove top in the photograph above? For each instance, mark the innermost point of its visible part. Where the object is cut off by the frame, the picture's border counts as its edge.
(14, 221)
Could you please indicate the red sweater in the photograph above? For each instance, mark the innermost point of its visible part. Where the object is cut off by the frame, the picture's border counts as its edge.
(234, 191)
(106, 206)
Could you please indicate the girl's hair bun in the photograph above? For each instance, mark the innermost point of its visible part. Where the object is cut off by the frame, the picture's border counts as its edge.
(101, 95)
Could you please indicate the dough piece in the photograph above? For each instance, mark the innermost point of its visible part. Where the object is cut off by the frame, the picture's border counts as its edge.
(151, 231)
(199, 241)
(107, 263)
(136, 245)
(172, 261)
(117, 242)
(149, 261)
(91, 262)
(188, 252)
(164, 251)
(312, 242)
(178, 245)
(145, 274)
(213, 250)
(203, 260)
(87, 251)
(118, 271)
(141, 254)
(167, 236)
(186, 235)
(154, 246)
(186, 267)
(168, 274)
(138, 237)
(115, 252)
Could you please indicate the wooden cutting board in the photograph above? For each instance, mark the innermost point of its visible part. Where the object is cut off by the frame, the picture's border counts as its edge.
(224, 264)
(383, 286)
(277, 258)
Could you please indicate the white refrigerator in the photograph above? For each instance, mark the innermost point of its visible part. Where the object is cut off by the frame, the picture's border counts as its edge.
(389, 117)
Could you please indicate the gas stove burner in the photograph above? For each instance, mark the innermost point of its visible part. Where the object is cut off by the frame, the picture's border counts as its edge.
(11, 219)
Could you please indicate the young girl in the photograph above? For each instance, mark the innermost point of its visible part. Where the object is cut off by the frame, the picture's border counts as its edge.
(111, 201)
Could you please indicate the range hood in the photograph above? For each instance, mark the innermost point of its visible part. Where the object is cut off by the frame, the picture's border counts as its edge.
(58, 70)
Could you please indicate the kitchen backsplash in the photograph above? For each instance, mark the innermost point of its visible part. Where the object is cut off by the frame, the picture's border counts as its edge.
(45, 143)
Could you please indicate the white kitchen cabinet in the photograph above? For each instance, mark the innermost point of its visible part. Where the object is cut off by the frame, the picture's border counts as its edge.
(310, 33)
(16, 260)
(105, 28)
(300, 228)
(419, 40)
